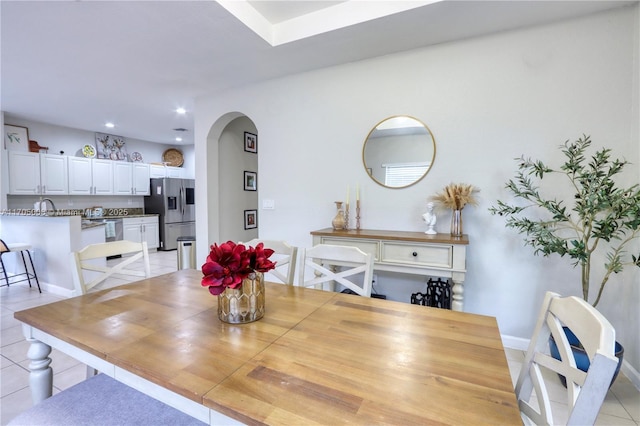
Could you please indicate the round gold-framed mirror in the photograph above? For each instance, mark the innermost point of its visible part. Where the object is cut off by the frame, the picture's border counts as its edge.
(398, 152)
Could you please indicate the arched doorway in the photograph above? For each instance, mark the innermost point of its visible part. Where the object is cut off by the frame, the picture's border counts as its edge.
(231, 200)
(238, 181)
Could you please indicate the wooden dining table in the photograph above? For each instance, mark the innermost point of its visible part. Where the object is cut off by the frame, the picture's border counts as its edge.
(316, 357)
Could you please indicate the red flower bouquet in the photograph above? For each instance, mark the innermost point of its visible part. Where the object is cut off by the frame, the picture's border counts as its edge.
(229, 263)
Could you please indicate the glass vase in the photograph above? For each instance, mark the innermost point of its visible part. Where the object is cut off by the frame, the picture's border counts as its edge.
(245, 303)
(456, 223)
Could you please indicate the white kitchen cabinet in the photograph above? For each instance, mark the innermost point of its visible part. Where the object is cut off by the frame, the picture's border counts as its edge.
(140, 229)
(140, 179)
(174, 172)
(90, 176)
(157, 171)
(80, 176)
(53, 174)
(122, 179)
(102, 176)
(32, 173)
(130, 178)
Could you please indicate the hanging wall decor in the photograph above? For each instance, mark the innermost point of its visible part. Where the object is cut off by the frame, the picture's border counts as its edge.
(111, 147)
(250, 181)
(16, 138)
(250, 142)
(250, 219)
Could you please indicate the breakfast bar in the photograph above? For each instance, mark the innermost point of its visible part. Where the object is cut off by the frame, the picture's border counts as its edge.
(316, 357)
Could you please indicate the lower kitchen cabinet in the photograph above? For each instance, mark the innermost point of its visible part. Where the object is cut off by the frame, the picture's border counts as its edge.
(142, 229)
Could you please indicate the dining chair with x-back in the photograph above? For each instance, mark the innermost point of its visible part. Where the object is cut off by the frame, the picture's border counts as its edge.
(330, 264)
(285, 257)
(586, 390)
(88, 260)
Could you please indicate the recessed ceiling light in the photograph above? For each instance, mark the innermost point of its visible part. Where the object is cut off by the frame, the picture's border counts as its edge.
(109, 125)
(178, 139)
(181, 111)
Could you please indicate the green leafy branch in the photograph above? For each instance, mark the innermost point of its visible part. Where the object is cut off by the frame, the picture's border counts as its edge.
(600, 214)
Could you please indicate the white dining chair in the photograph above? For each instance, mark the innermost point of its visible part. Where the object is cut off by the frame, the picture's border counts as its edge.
(87, 261)
(345, 265)
(285, 257)
(585, 390)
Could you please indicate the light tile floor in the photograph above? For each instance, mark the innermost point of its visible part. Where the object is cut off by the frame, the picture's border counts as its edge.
(621, 407)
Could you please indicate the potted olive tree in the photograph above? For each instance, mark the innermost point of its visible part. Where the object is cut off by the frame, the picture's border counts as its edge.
(600, 216)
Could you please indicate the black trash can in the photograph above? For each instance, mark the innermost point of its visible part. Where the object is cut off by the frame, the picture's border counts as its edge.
(186, 252)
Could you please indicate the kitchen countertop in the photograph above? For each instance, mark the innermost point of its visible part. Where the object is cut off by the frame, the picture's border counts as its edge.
(87, 222)
(66, 213)
(123, 216)
(90, 224)
(99, 221)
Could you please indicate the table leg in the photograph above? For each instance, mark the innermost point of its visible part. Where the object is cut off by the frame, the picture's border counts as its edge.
(41, 376)
(457, 304)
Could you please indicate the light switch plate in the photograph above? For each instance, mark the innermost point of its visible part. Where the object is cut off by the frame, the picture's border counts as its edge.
(268, 204)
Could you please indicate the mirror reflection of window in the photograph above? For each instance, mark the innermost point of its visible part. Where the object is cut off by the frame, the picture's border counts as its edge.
(400, 175)
(398, 152)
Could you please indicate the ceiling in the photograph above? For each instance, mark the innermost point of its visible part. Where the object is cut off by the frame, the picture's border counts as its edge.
(80, 64)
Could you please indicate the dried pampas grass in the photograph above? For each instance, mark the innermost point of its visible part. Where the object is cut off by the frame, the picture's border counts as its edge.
(456, 195)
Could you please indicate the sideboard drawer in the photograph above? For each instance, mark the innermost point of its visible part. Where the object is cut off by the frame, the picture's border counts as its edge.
(366, 246)
(440, 256)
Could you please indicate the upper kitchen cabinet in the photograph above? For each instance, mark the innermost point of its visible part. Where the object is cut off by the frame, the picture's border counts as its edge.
(157, 171)
(32, 173)
(90, 176)
(131, 178)
(162, 171)
(140, 178)
(175, 172)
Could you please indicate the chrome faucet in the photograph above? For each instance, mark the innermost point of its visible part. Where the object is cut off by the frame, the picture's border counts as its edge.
(44, 200)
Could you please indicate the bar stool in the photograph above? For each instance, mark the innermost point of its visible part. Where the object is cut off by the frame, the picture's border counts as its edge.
(22, 248)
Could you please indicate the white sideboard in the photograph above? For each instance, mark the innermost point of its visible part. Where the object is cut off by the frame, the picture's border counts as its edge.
(417, 253)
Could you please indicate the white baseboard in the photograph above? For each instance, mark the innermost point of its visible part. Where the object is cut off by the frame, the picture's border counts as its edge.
(631, 373)
(57, 290)
(519, 343)
(512, 342)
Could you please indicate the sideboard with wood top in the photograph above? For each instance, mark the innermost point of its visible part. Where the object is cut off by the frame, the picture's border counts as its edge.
(440, 255)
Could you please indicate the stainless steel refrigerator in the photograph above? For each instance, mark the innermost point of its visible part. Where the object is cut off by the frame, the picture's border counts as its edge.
(174, 201)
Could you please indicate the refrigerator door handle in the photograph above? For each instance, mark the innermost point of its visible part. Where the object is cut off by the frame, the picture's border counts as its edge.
(183, 200)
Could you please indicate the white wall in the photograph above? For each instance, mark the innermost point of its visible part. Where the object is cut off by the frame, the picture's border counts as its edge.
(4, 170)
(487, 100)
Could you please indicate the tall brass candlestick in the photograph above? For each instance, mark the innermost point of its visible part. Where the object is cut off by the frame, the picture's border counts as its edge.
(358, 214)
(346, 217)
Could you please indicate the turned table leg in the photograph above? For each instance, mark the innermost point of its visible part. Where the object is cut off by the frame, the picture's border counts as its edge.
(457, 293)
(41, 376)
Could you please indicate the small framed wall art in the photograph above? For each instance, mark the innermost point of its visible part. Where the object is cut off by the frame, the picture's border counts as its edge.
(16, 138)
(250, 181)
(250, 219)
(250, 142)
